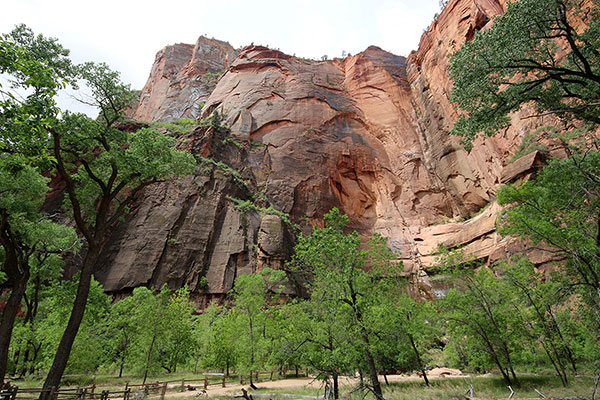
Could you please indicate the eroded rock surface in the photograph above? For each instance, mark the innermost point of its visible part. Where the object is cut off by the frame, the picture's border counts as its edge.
(367, 134)
(182, 78)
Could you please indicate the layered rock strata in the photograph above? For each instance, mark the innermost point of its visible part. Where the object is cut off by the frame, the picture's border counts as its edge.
(367, 134)
(182, 78)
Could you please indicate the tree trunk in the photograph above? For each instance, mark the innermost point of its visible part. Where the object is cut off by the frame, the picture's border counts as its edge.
(372, 371)
(148, 356)
(421, 366)
(512, 372)
(9, 315)
(503, 371)
(252, 385)
(23, 370)
(336, 389)
(66, 342)
(121, 367)
(36, 352)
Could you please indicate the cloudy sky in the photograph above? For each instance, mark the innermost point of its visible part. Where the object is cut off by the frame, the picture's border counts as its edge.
(127, 33)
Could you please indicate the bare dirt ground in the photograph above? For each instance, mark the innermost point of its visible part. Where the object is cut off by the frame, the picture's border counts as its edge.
(288, 384)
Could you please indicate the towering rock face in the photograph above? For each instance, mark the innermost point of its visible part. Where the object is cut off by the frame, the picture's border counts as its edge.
(367, 134)
(182, 78)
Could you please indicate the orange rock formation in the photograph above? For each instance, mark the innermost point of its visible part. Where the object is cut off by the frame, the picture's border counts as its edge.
(367, 134)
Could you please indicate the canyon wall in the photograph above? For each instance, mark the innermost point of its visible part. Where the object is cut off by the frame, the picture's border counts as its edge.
(367, 134)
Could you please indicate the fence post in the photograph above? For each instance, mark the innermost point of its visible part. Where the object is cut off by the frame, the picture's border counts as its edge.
(126, 394)
(205, 382)
(182, 384)
(52, 394)
(224, 380)
(13, 395)
(241, 379)
(163, 391)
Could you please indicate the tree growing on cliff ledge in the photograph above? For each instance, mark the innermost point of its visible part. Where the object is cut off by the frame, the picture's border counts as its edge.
(544, 52)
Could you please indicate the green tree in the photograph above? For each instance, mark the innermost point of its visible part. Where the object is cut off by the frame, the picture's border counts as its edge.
(216, 334)
(150, 323)
(324, 340)
(104, 168)
(540, 51)
(120, 332)
(53, 316)
(561, 209)
(348, 279)
(251, 294)
(159, 330)
(480, 314)
(408, 328)
(45, 243)
(537, 305)
(178, 342)
(35, 68)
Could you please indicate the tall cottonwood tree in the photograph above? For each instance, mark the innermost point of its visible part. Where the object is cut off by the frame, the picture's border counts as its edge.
(561, 209)
(407, 327)
(28, 240)
(104, 168)
(251, 295)
(536, 303)
(348, 279)
(479, 313)
(34, 68)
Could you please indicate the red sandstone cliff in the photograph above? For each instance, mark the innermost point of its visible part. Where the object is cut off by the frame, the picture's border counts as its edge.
(182, 78)
(367, 134)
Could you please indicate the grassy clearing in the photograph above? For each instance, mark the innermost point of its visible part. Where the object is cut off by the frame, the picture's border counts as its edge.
(448, 388)
(441, 388)
(489, 387)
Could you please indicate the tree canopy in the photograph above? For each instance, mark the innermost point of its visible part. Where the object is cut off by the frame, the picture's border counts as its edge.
(102, 167)
(543, 52)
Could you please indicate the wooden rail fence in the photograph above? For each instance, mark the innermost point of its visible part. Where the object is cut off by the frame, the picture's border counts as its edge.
(91, 392)
(17, 393)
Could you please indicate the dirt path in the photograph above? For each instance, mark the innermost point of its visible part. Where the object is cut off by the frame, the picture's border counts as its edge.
(286, 384)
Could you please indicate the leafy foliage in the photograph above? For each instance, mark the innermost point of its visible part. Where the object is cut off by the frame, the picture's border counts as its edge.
(346, 282)
(534, 52)
(560, 209)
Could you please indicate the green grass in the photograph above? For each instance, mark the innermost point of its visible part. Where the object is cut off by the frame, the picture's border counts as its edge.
(441, 388)
(452, 388)
(489, 387)
(180, 127)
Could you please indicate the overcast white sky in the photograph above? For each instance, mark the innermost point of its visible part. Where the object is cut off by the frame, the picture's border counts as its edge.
(126, 34)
